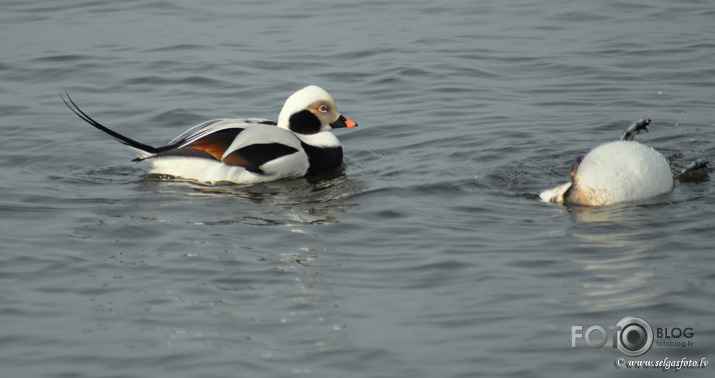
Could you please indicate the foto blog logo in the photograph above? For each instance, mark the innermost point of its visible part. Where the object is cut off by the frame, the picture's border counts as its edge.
(633, 336)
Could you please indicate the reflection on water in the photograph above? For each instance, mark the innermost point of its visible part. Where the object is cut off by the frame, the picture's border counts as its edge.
(314, 200)
(623, 212)
(618, 280)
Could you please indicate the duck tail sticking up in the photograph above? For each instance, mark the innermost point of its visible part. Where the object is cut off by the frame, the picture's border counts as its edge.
(142, 150)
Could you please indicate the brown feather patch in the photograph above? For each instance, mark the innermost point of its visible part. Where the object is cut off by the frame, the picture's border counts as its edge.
(217, 143)
(235, 158)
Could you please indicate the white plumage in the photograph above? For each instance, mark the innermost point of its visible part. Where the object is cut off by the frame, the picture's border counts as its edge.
(614, 172)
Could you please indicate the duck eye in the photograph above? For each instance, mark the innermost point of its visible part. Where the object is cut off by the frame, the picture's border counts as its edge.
(323, 108)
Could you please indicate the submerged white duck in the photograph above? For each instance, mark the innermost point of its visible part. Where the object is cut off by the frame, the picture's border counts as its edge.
(250, 150)
(614, 172)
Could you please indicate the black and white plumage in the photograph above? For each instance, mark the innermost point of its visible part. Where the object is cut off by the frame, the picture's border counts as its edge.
(250, 150)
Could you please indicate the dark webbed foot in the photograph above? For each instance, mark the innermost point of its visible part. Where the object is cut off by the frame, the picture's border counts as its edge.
(635, 128)
(697, 171)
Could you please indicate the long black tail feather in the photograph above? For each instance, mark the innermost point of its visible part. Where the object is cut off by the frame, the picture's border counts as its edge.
(121, 138)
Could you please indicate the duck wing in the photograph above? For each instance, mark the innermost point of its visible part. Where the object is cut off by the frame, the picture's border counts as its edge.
(259, 145)
(209, 139)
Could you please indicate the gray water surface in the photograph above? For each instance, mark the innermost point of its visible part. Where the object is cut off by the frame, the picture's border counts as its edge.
(427, 256)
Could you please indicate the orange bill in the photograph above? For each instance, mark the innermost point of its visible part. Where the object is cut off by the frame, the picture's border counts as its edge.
(343, 122)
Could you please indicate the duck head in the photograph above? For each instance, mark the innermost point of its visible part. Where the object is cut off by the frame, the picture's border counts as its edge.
(310, 111)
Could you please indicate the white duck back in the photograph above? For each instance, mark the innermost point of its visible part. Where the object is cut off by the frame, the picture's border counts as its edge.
(620, 171)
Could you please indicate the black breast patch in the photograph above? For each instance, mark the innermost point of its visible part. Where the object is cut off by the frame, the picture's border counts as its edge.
(323, 159)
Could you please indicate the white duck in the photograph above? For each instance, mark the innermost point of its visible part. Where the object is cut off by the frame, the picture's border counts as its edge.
(250, 150)
(614, 172)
